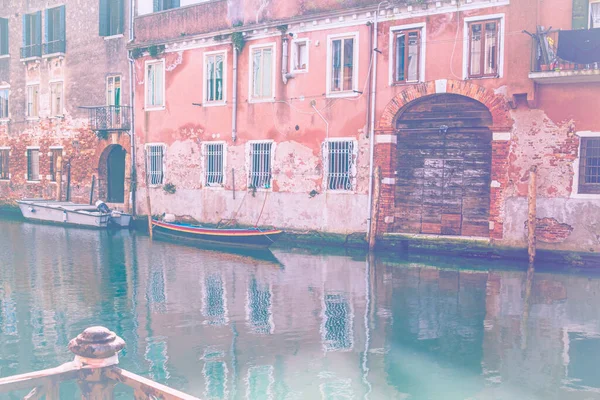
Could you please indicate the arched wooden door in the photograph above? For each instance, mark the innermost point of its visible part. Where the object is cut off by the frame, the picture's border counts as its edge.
(443, 166)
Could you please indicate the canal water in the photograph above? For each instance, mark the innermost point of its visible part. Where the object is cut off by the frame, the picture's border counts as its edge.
(298, 324)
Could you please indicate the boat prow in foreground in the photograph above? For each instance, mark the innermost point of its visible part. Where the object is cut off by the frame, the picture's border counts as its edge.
(252, 237)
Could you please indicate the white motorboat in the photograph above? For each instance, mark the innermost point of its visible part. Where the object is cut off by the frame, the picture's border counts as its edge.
(67, 213)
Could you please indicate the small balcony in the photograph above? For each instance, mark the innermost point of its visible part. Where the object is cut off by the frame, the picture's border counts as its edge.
(547, 66)
(55, 47)
(31, 51)
(104, 119)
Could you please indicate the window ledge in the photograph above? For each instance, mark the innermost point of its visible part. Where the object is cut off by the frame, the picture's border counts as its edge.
(117, 36)
(342, 94)
(340, 191)
(4, 56)
(255, 101)
(56, 117)
(214, 103)
(155, 186)
(4, 121)
(160, 108)
(475, 78)
(585, 196)
(32, 119)
(53, 55)
(299, 71)
(219, 187)
(31, 59)
(409, 83)
(34, 182)
(4, 180)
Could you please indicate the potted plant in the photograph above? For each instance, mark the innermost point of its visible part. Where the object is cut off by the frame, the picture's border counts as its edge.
(544, 67)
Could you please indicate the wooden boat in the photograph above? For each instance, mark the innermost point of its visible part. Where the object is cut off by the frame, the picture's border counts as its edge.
(64, 213)
(247, 238)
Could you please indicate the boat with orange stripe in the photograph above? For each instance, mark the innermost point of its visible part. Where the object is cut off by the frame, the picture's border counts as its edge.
(249, 237)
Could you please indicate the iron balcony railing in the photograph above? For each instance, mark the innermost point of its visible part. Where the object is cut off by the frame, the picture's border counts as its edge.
(30, 51)
(544, 56)
(109, 118)
(56, 46)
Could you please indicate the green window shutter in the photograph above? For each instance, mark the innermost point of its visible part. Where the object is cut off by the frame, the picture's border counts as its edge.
(26, 38)
(580, 14)
(174, 3)
(62, 32)
(157, 5)
(103, 21)
(121, 14)
(3, 36)
(47, 24)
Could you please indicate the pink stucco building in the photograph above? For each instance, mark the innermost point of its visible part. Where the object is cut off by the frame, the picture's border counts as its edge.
(276, 113)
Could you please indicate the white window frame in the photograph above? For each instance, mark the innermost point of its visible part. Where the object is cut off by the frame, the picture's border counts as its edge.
(30, 84)
(62, 99)
(251, 98)
(394, 30)
(205, 101)
(204, 164)
(113, 77)
(294, 55)
(249, 146)
(355, 88)
(164, 164)
(7, 118)
(590, 12)
(154, 107)
(353, 167)
(39, 164)
(467, 41)
(6, 148)
(575, 187)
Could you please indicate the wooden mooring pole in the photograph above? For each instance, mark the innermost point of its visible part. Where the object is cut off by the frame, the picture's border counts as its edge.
(375, 211)
(148, 205)
(532, 217)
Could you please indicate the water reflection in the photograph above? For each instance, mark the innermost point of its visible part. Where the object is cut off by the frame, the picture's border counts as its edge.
(226, 326)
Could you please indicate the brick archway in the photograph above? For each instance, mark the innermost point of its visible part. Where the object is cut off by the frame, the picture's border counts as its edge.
(502, 121)
(386, 148)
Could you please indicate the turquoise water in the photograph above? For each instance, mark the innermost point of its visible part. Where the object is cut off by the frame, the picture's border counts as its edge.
(297, 324)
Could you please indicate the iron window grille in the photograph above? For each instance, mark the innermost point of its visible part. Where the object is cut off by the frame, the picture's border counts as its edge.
(33, 164)
(262, 73)
(342, 65)
(4, 164)
(407, 56)
(3, 103)
(111, 17)
(214, 78)
(54, 33)
(32, 35)
(484, 40)
(260, 165)
(55, 154)
(589, 166)
(155, 160)
(214, 164)
(33, 99)
(339, 159)
(3, 36)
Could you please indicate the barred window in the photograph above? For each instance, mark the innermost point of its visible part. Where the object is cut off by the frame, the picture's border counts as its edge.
(4, 163)
(589, 166)
(54, 156)
(155, 163)
(33, 164)
(214, 164)
(260, 165)
(340, 164)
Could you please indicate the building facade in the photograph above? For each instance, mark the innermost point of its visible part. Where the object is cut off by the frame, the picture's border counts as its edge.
(261, 112)
(64, 87)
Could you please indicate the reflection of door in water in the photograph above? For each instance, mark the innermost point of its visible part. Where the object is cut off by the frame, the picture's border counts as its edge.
(116, 175)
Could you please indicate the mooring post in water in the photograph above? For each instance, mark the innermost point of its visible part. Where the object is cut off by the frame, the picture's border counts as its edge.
(92, 189)
(532, 218)
(375, 210)
(96, 348)
(148, 204)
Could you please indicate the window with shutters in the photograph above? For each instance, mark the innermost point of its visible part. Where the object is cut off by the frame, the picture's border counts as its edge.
(260, 165)
(407, 53)
(113, 90)
(300, 55)
(33, 101)
(111, 17)
(214, 77)
(55, 154)
(340, 164)
(56, 99)
(161, 5)
(155, 85)
(155, 158)
(33, 164)
(594, 15)
(214, 164)
(3, 36)
(54, 30)
(4, 163)
(484, 48)
(342, 56)
(32, 35)
(262, 77)
(4, 103)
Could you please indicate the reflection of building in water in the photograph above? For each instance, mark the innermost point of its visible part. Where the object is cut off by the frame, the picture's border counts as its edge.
(259, 307)
(214, 296)
(259, 382)
(215, 374)
(337, 330)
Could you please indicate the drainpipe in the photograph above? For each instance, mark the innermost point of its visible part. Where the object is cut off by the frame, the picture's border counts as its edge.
(285, 76)
(234, 94)
(132, 113)
(372, 113)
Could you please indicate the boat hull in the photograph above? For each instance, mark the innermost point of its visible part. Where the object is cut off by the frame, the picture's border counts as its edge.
(250, 238)
(62, 214)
